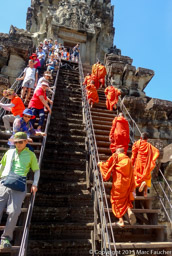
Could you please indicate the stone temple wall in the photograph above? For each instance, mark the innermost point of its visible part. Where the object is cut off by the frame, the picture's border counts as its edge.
(152, 115)
(89, 23)
(15, 49)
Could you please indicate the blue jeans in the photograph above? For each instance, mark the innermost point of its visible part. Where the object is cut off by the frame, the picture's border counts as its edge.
(40, 113)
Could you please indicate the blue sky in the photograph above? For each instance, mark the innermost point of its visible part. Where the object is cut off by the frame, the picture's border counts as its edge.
(143, 32)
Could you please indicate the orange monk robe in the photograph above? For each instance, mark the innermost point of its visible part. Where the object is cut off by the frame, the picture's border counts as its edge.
(112, 94)
(92, 93)
(96, 81)
(143, 158)
(95, 68)
(119, 134)
(87, 80)
(123, 182)
(100, 72)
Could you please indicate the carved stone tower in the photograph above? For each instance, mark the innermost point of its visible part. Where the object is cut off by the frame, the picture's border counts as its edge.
(87, 22)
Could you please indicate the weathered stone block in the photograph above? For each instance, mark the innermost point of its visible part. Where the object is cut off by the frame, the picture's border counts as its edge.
(15, 67)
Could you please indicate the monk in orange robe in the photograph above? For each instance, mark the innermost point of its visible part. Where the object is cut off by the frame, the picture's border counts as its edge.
(87, 79)
(143, 158)
(99, 71)
(119, 134)
(96, 81)
(92, 94)
(112, 95)
(123, 185)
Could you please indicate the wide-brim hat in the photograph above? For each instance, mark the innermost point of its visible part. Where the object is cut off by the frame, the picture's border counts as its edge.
(45, 83)
(47, 73)
(28, 112)
(19, 136)
(33, 55)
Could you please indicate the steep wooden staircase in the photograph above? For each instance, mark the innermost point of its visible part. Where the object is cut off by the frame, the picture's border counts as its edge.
(63, 214)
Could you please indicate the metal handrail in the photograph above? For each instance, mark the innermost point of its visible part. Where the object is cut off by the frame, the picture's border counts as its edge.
(135, 127)
(98, 179)
(23, 246)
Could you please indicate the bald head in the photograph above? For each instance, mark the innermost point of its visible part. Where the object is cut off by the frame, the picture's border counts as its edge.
(120, 114)
(119, 150)
(144, 136)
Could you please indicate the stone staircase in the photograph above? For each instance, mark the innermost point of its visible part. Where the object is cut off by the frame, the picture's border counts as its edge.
(62, 220)
(147, 236)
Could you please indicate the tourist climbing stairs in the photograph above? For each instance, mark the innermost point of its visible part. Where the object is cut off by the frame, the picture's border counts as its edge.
(22, 228)
(147, 236)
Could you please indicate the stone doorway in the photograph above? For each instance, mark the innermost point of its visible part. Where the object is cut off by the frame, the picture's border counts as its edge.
(69, 44)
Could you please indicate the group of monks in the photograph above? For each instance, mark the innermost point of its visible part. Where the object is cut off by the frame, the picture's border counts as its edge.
(129, 175)
(94, 81)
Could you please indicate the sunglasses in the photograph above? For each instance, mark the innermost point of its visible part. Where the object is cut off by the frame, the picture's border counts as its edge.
(27, 116)
(19, 142)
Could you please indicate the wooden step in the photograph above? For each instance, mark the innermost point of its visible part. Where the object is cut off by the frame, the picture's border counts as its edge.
(103, 144)
(102, 138)
(104, 150)
(13, 249)
(139, 198)
(102, 132)
(159, 227)
(102, 119)
(140, 210)
(101, 105)
(145, 245)
(16, 228)
(102, 122)
(104, 112)
(102, 127)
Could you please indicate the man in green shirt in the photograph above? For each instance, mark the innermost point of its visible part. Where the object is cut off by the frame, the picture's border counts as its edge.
(19, 160)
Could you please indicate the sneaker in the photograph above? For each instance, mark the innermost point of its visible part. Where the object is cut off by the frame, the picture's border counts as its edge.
(38, 130)
(5, 244)
(8, 132)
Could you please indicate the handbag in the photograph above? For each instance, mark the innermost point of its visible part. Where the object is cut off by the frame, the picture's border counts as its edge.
(15, 182)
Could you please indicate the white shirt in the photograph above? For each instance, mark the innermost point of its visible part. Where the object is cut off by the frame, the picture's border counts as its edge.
(39, 83)
(29, 74)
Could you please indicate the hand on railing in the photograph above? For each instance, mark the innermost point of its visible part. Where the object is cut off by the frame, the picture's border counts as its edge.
(34, 189)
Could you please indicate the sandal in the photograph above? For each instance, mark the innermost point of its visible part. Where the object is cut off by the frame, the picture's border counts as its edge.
(119, 225)
(142, 186)
(145, 193)
(132, 218)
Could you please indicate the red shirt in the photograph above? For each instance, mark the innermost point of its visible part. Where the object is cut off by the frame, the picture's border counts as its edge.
(35, 102)
(37, 64)
(19, 106)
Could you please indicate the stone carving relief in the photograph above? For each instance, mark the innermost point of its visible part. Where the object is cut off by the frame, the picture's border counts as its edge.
(47, 18)
(74, 14)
